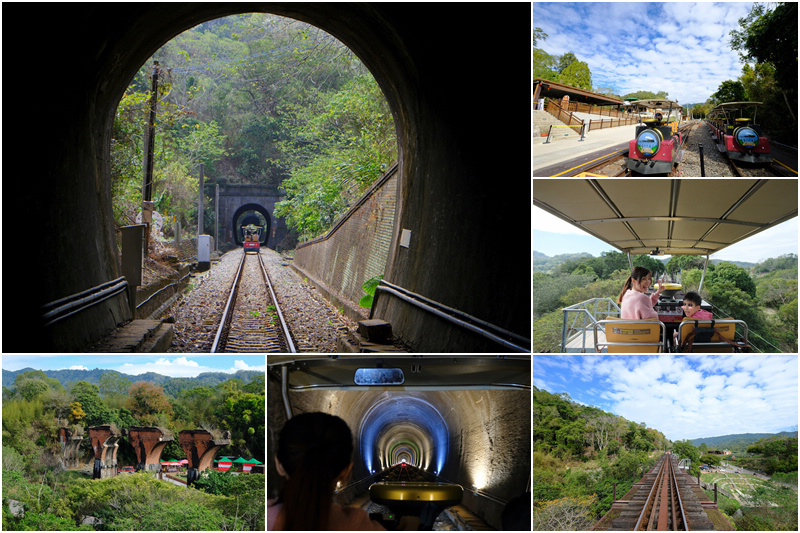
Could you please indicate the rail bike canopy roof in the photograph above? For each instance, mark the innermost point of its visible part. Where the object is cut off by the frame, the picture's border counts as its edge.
(671, 216)
(721, 109)
(657, 102)
(400, 371)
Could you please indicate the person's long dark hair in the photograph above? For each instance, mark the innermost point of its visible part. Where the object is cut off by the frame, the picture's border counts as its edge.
(637, 274)
(313, 448)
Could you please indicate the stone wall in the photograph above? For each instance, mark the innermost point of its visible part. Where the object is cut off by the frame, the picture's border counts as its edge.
(356, 248)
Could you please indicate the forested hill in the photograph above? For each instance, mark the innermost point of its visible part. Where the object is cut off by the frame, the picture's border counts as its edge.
(171, 385)
(569, 429)
(738, 442)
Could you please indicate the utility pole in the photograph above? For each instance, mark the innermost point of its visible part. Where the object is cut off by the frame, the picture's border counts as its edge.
(200, 202)
(147, 187)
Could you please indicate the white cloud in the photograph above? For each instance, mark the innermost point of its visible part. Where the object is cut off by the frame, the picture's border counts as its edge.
(78, 367)
(178, 367)
(693, 36)
(241, 365)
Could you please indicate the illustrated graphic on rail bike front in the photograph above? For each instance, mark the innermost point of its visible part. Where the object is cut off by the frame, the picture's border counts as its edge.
(433, 443)
(664, 290)
(659, 89)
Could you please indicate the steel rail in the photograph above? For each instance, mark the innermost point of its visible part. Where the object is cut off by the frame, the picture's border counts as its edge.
(682, 517)
(227, 312)
(650, 501)
(284, 326)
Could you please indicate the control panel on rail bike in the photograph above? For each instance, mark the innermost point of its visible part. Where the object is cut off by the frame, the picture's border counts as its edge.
(408, 492)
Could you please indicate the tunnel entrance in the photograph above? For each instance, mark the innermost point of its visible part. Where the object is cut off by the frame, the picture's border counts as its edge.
(251, 214)
(447, 158)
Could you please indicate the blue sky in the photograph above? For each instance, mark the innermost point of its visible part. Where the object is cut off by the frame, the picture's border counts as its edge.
(683, 396)
(134, 364)
(678, 47)
(553, 236)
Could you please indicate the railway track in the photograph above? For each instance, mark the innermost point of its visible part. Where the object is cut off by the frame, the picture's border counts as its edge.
(665, 501)
(252, 320)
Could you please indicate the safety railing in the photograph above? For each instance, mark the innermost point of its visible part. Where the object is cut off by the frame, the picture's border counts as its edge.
(505, 338)
(564, 116)
(580, 319)
(580, 107)
(611, 123)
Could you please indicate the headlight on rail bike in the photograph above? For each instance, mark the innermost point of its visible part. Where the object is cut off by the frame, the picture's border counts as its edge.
(746, 137)
(648, 143)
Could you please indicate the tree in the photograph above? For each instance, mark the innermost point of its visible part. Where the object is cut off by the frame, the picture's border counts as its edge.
(88, 396)
(564, 514)
(730, 91)
(727, 271)
(148, 403)
(771, 37)
(578, 75)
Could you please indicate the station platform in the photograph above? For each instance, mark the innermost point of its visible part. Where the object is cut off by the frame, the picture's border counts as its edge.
(545, 157)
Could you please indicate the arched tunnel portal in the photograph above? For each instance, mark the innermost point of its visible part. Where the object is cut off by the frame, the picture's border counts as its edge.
(479, 439)
(249, 214)
(457, 156)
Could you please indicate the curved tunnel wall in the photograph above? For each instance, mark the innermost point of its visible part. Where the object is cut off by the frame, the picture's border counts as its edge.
(452, 114)
(478, 439)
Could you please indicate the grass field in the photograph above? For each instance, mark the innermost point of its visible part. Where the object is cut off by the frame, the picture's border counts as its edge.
(739, 485)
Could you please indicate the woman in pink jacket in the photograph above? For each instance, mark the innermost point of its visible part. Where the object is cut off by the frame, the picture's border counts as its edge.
(635, 302)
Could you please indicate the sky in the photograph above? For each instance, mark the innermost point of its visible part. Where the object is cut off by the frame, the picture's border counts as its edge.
(135, 364)
(678, 47)
(685, 396)
(553, 236)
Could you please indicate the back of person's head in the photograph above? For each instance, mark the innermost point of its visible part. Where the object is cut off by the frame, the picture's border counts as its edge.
(313, 449)
(638, 273)
(693, 297)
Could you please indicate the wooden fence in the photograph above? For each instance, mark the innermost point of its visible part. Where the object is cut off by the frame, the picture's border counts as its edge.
(564, 116)
(710, 486)
(612, 123)
(580, 107)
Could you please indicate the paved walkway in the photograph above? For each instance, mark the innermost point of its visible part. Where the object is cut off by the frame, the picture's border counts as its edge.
(547, 155)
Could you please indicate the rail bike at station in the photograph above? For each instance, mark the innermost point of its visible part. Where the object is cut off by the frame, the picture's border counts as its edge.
(656, 147)
(736, 133)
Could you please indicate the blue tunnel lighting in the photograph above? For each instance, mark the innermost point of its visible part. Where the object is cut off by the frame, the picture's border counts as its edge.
(401, 427)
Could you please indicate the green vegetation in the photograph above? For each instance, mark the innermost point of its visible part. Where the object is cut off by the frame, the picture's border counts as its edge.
(54, 499)
(258, 99)
(767, 44)
(765, 296)
(579, 452)
(758, 504)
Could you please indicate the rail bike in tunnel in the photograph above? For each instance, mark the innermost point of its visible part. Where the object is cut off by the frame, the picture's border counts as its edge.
(657, 217)
(445, 437)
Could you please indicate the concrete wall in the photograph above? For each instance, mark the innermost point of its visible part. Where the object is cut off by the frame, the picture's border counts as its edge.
(357, 247)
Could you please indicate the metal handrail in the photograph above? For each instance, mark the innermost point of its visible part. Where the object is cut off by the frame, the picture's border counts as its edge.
(581, 309)
(65, 307)
(460, 318)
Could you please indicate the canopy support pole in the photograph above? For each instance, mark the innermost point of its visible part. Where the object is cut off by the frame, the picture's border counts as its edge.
(630, 261)
(705, 266)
